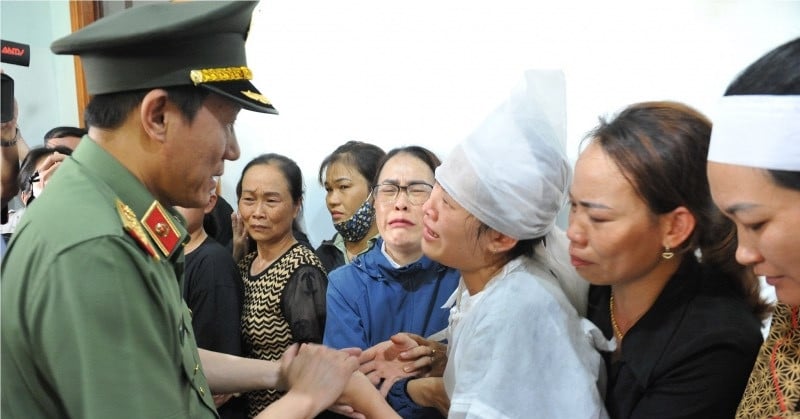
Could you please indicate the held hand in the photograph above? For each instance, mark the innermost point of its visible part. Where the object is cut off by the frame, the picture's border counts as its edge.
(419, 354)
(317, 372)
(356, 352)
(286, 360)
(364, 398)
(382, 365)
(346, 409)
(415, 348)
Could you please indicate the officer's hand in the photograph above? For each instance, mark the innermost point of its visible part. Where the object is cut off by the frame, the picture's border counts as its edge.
(318, 372)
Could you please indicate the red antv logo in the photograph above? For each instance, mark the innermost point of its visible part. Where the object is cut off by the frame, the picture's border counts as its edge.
(13, 51)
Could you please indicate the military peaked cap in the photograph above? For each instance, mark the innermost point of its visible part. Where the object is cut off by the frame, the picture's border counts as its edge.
(169, 44)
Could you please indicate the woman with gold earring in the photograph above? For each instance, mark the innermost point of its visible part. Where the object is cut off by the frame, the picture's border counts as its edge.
(661, 260)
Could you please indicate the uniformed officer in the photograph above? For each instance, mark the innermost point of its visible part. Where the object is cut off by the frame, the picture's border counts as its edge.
(93, 325)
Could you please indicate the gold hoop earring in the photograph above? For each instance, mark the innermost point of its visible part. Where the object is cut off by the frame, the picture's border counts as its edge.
(667, 254)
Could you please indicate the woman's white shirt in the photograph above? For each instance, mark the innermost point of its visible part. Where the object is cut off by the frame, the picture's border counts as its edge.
(519, 349)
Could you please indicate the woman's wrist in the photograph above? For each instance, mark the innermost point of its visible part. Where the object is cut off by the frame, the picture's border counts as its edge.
(271, 376)
(10, 142)
(291, 405)
(416, 392)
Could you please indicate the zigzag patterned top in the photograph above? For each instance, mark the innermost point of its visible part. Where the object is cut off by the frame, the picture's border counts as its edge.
(774, 387)
(283, 304)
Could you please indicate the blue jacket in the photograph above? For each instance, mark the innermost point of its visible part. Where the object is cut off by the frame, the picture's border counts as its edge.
(369, 301)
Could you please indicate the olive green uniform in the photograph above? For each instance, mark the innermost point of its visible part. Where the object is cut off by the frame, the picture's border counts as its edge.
(93, 323)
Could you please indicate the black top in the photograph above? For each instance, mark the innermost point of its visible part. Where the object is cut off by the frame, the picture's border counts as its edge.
(330, 256)
(689, 356)
(217, 223)
(213, 292)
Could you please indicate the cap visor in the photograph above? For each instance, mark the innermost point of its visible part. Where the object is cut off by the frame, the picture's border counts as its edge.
(244, 93)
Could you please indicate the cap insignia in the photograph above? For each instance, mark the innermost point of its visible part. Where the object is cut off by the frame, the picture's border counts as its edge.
(256, 96)
(134, 228)
(211, 75)
(158, 223)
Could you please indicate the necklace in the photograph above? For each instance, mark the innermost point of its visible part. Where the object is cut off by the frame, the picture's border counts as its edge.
(618, 333)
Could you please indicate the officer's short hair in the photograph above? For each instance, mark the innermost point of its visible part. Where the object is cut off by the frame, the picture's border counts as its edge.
(109, 111)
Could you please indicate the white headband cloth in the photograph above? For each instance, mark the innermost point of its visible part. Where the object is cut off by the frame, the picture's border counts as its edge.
(760, 131)
(511, 172)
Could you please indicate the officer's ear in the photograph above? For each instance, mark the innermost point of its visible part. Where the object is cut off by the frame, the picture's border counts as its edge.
(153, 114)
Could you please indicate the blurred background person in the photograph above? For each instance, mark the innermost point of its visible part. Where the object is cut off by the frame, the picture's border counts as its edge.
(213, 292)
(11, 159)
(218, 222)
(35, 171)
(13, 150)
(347, 176)
(284, 281)
(64, 136)
(393, 287)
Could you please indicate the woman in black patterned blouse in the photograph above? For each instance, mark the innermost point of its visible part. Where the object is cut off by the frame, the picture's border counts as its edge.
(284, 282)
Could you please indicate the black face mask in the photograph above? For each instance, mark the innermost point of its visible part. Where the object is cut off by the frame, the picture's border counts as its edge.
(356, 227)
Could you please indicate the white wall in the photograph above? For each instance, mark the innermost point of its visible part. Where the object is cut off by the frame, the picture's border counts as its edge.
(427, 72)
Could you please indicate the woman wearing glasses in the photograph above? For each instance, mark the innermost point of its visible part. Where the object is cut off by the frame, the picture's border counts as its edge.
(393, 287)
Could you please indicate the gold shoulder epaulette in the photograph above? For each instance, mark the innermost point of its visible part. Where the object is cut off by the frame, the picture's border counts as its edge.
(134, 228)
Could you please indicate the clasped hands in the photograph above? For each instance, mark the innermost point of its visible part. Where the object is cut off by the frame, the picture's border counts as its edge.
(403, 355)
(335, 379)
(345, 381)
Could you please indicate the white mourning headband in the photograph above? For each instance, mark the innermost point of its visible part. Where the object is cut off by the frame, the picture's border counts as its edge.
(511, 172)
(760, 131)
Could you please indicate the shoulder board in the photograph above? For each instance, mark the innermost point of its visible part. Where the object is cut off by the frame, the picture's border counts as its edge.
(134, 228)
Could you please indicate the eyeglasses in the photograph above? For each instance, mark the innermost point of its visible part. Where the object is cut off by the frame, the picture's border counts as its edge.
(387, 193)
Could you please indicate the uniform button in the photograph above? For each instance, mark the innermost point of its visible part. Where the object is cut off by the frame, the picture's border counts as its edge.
(202, 392)
(196, 368)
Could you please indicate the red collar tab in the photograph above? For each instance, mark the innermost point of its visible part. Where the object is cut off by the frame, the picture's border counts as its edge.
(159, 224)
